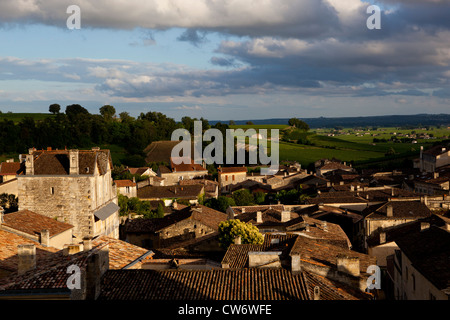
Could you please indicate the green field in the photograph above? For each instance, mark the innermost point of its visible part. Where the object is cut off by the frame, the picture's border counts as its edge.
(17, 117)
(357, 146)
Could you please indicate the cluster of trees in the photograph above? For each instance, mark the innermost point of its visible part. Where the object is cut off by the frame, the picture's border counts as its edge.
(245, 197)
(299, 124)
(77, 128)
(143, 208)
(231, 229)
(9, 202)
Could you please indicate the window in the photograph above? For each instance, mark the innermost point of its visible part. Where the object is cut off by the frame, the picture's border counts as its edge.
(52, 190)
(233, 177)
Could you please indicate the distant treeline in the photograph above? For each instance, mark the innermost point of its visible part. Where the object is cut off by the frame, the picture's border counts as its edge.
(77, 128)
(412, 121)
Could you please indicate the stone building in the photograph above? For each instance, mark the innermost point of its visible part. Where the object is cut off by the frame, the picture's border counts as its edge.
(231, 175)
(72, 186)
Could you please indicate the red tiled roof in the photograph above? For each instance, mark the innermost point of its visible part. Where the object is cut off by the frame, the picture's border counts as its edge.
(232, 169)
(183, 167)
(8, 250)
(33, 223)
(10, 168)
(121, 253)
(243, 284)
(124, 183)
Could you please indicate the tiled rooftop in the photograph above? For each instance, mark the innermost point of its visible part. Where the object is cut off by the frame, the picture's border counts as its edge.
(124, 183)
(121, 253)
(8, 250)
(429, 252)
(33, 223)
(56, 162)
(401, 210)
(203, 214)
(242, 284)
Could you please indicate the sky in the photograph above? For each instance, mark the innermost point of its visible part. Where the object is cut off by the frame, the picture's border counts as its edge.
(227, 59)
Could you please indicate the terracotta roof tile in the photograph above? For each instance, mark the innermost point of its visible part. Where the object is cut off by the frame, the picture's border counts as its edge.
(10, 168)
(33, 223)
(8, 250)
(242, 284)
(124, 183)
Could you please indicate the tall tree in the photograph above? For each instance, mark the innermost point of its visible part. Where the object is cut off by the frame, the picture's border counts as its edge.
(54, 108)
(108, 112)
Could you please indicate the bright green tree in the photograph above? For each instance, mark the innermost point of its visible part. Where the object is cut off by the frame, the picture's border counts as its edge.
(230, 229)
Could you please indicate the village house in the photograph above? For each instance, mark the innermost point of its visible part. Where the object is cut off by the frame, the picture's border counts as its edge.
(42, 229)
(351, 222)
(170, 194)
(185, 224)
(433, 158)
(211, 187)
(9, 170)
(231, 175)
(324, 166)
(392, 213)
(183, 171)
(126, 188)
(433, 183)
(420, 267)
(382, 242)
(72, 186)
(142, 171)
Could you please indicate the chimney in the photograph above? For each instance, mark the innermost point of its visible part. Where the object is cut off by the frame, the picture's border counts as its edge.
(45, 238)
(74, 162)
(285, 216)
(349, 265)
(389, 210)
(392, 192)
(352, 188)
(2, 213)
(237, 240)
(95, 148)
(435, 175)
(243, 210)
(29, 163)
(316, 293)
(97, 265)
(71, 249)
(259, 217)
(307, 227)
(87, 244)
(27, 257)
(424, 226)
(382, 237)
(325, 226)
